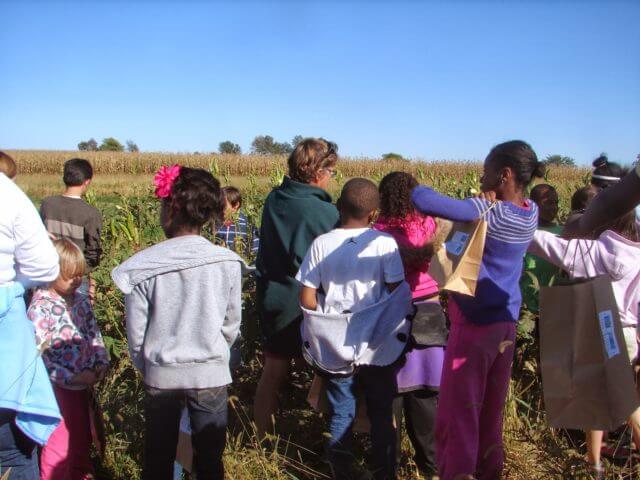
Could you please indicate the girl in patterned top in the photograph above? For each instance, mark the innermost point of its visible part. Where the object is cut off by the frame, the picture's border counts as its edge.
(75, 358)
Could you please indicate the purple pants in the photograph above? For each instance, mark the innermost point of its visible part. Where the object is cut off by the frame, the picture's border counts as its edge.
(475, 380)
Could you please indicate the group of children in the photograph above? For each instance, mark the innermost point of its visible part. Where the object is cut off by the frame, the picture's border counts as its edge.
(345, 287)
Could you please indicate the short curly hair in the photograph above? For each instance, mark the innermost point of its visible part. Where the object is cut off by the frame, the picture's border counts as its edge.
(395, 194)
(196, 199)
(309, 156)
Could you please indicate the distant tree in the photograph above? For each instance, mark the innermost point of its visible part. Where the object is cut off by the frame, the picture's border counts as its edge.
(89, 146)
(560, 161)
(296, 140)
(110, 144)
(132, 147)
(230, 148)
(393, 156)
(266, 145)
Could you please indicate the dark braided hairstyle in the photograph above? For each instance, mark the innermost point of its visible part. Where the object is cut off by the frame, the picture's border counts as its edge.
(606, 173)
(395, 194)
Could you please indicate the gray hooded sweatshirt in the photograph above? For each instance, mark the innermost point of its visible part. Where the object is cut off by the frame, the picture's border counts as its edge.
(183, 311)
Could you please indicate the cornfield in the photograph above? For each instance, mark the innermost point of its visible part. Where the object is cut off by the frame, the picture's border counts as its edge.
(131, 223)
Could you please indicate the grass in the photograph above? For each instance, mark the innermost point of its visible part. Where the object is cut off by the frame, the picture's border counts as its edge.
(121, 191)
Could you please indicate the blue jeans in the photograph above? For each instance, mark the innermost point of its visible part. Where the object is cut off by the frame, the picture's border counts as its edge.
(17, 451)
(208, 417)
(379, 387)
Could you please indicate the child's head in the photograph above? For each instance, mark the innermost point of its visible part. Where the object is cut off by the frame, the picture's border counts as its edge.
(626, 226)
(582, 197)
(77, 172)
(358, 201)
(8, 166)
(313, 162)
(546, 197)
(510, 167)
(395, 194)
(606, 173)
(195, 199)
(72, 267)
(233, 199)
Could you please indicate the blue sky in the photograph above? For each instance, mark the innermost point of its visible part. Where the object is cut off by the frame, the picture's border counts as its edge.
(434, 80)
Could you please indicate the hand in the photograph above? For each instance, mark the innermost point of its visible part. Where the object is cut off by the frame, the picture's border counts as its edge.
(52, 237)
(101, 371)
(85, 378)
(489, 196)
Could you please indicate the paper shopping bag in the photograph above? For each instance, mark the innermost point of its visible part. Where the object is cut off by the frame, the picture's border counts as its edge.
(456, 264)
(587, 378)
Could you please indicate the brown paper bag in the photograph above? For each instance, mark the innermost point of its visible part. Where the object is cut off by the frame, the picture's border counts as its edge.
(456, 264)
(586, 375)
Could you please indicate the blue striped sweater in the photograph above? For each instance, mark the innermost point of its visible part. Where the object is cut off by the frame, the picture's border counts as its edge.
(510, 229)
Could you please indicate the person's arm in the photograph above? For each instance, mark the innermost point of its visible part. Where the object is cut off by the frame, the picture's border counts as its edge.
(100, 354)
(36, 259)
(93, 246)
(137, 311)
(255, 240)
(430, 202)
(578, 257)
(608, 205)
(233, 317)
(309, 298)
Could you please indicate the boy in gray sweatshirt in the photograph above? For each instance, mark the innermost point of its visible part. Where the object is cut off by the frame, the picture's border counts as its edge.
(183, 310)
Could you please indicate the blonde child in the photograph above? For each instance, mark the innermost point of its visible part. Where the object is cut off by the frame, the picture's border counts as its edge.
(614, 252)
(75, 357)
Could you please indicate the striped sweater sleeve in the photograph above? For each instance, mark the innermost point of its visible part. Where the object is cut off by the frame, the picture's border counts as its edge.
(430, 202)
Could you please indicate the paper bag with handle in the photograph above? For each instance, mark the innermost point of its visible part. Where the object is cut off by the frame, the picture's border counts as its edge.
(587, 379)
(456, 263)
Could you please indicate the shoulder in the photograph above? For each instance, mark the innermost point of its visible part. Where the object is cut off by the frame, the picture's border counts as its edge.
(382, 240)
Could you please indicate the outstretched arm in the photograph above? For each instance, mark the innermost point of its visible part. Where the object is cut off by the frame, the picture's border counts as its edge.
(430, 202)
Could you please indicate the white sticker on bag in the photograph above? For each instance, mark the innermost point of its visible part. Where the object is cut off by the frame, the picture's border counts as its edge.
(609, 333)
(458, 241)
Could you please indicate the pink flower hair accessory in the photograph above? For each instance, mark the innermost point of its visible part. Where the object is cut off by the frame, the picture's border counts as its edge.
(163, 180)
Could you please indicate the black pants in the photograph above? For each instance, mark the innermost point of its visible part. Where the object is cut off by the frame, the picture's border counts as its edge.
(208, 416)
(420, 407)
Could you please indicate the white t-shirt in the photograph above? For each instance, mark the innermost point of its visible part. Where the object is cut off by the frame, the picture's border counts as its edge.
(352, 266)
(25, 248)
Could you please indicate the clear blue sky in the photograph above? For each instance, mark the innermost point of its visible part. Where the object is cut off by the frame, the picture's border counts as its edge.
(435, 80)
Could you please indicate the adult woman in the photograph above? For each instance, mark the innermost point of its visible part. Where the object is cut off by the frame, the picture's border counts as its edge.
(28, 409)
(295, 213)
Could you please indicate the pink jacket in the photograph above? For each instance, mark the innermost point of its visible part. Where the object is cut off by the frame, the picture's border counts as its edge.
(414, 231)
(610, 255)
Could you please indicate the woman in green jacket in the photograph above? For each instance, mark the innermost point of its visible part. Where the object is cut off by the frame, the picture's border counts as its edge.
(294, 214)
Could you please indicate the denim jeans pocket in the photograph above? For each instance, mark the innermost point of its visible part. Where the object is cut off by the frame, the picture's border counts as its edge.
(211, 399)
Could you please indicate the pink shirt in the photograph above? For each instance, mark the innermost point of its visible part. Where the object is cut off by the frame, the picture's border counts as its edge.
(414, 231)
(611, 255)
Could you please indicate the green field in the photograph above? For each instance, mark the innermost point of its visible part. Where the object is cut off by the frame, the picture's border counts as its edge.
(130, 223)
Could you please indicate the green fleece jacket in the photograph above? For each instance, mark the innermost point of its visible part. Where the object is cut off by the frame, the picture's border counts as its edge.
(294, 215)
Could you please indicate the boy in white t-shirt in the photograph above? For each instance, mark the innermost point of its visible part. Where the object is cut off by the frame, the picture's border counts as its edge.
(354, 266)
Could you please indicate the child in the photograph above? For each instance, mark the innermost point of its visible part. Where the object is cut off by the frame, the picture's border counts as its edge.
(419, 378)
(480, 349)
(546, 198)
(235, 232)
(75, 357)
(355, 266)
(183, 308)
(8, 166)
(69, 216)
(294, 214)
(606, 173)
(616, 253)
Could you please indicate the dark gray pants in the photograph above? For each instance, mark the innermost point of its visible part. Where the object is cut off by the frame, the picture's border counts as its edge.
(208, 416)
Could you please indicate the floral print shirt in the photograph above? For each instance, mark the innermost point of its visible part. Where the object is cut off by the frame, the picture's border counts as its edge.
(67, 335)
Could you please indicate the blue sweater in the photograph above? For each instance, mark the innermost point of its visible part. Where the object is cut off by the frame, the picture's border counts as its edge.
(509, 232)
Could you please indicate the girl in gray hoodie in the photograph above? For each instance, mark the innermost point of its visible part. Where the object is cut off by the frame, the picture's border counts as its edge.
(183, 309)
